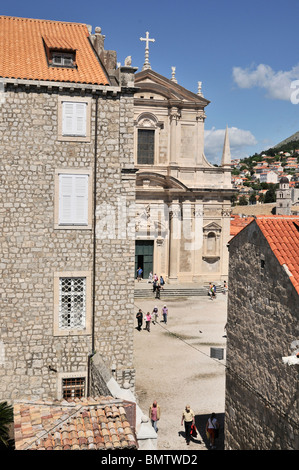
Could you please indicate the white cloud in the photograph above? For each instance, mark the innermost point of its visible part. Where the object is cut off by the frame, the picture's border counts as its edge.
(239, 140)
(279, 85)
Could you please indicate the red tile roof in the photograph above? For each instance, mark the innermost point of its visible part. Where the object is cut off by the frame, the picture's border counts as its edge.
(282, 234)
(23, 54)
(85, 424)
(238, 223)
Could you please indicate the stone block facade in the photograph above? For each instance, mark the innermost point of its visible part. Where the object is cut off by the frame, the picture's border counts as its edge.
(261, 406)
(34, 250)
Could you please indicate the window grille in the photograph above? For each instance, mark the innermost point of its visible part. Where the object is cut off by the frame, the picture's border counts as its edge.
(73, 387)
(146, 146)
(72, 302)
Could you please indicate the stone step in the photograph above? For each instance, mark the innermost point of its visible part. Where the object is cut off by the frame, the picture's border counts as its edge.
(174, 292)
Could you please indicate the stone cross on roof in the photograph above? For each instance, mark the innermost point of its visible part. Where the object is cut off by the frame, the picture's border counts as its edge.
(147, 40)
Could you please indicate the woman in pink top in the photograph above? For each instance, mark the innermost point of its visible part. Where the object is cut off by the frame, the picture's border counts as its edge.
(148, 318)
(154, 414)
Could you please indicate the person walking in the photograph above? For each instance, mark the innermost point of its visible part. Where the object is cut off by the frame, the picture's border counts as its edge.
(210, 291)
(214, 291)
(139, 317)
(212, 429)
(188, 418)
(148, 322)
(165, 313)
(225, 288)
(158, 288)
(154, 414)
(139, 274)
(155, 315)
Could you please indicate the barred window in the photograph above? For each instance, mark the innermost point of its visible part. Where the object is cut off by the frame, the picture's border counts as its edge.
(73, 387)
(72, 302)
(146, 146)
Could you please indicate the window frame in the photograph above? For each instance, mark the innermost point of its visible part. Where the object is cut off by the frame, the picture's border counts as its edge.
(147, 121)
(57, 199)
(67, 376)
(86, 330)
(86, 137)
(153, 133)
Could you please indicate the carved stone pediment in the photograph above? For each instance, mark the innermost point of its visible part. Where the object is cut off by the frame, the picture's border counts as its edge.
(212, 227)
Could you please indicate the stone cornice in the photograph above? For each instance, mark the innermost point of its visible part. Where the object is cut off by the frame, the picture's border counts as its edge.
(70, 87)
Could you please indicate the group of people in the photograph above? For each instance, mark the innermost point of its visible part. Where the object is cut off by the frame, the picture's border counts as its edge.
(188, 420)
(212, 426)
(158, 284)
(212, 290)
(151, 317)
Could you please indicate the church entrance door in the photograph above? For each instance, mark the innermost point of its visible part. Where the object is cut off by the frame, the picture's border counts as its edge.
(144, 256)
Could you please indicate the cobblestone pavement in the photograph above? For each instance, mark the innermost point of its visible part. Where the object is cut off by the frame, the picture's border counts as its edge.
(174, 366)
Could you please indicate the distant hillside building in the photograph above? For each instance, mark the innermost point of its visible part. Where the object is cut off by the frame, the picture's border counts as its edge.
(261, 404)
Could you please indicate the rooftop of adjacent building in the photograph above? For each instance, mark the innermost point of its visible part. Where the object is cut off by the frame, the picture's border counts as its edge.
(89, 423)
(282, 235)
(25, 45)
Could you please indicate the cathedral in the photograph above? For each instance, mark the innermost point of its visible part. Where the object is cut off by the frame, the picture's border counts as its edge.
(182, 201)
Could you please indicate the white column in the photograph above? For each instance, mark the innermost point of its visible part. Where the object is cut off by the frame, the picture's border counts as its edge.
(174, 242)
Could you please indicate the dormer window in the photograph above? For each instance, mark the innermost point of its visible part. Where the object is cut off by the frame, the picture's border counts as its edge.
(63, 59)
(59, 52)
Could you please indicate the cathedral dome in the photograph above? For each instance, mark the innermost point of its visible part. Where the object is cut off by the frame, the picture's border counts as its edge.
(284, 180)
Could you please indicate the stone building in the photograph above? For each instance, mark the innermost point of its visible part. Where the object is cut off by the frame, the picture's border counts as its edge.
(262, 403)
(182, 201)
(283, 197)
(66, 122)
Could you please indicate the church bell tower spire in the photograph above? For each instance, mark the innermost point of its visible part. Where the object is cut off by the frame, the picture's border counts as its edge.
(226, 157)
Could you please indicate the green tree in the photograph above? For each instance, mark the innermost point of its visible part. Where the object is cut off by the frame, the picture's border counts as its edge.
(233, 199)
(6, 418)
(270, 196)
(243, 201)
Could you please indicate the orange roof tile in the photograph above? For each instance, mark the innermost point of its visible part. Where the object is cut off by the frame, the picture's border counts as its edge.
(92, 423)
(238, 223)
(282, 234)
(23, 54)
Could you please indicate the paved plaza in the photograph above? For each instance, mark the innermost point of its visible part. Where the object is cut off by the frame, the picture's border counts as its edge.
(174, 366)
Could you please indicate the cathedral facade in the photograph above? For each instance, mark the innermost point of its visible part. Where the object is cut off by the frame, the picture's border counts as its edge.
(182, 201)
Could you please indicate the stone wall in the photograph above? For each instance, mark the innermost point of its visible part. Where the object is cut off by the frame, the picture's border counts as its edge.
(32, 250)
(261, 408)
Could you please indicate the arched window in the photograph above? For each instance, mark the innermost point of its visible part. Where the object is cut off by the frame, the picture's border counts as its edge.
(147, 136)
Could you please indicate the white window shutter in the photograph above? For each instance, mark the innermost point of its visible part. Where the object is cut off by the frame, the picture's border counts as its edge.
(81, 199)
(65, 199)
(73, 199)
(80, 119)
(74, 118)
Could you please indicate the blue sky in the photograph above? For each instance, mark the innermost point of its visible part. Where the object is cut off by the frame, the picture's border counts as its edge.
(245, 53)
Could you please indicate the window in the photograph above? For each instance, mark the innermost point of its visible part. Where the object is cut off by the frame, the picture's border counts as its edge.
(73, 199)
(73, 387)
(63, 59)
(72, 303)
(146, 147)
(74, 118)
